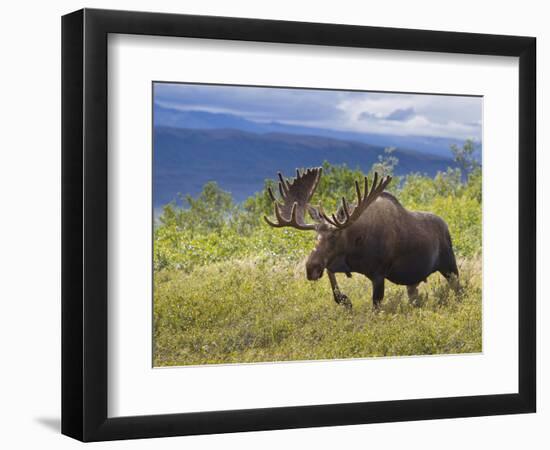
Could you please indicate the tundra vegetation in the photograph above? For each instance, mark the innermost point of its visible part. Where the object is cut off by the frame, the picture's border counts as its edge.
(228, 288)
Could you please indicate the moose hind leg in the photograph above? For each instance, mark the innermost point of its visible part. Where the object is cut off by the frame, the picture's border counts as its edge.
(454, 282)
(339, 298)
(377, 292)
(412, 291)
(449, 270)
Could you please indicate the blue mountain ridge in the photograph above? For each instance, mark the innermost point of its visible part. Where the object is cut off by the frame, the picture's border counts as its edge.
(240, 160)
(192, 119)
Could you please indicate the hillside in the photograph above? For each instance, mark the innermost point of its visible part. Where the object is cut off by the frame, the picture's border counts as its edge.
(240, 161)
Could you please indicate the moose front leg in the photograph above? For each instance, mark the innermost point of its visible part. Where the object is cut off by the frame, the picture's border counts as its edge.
(339, 298)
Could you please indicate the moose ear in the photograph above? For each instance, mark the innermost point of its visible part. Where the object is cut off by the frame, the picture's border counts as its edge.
(314, 214)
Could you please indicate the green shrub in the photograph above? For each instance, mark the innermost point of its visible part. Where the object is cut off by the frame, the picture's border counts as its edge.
(213, 228)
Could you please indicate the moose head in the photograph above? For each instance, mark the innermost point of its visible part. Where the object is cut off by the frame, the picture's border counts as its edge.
(336, 233)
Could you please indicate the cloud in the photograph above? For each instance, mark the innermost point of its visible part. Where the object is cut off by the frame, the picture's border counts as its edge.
(401, 114)
(369, 112)
(254, 103)
(366, 115)
(414, 114)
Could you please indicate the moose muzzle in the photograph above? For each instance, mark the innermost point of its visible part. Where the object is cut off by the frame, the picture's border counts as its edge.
(314, 272)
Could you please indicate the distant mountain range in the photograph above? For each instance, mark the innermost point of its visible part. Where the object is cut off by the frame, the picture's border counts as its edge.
(170, 117)
(201, 147)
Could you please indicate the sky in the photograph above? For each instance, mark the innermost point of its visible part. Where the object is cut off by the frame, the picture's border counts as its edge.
(402, 114)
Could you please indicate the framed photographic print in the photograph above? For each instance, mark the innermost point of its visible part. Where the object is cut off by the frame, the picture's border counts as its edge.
(273, 224)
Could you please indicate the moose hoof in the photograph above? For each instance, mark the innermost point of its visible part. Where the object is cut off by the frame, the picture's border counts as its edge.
(343, 300)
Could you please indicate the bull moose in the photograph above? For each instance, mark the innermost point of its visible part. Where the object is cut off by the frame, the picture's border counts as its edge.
(376, 237)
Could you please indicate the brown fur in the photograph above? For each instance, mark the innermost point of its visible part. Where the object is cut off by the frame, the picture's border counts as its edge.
(377, 237)
(386, 242)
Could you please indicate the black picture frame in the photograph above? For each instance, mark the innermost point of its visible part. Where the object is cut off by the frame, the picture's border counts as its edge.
(84, 224)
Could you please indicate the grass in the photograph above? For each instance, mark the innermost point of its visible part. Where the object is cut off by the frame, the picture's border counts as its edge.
(263, 309)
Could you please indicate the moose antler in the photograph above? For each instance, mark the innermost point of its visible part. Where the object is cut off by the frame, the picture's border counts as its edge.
(295, 196)
(363, 201)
